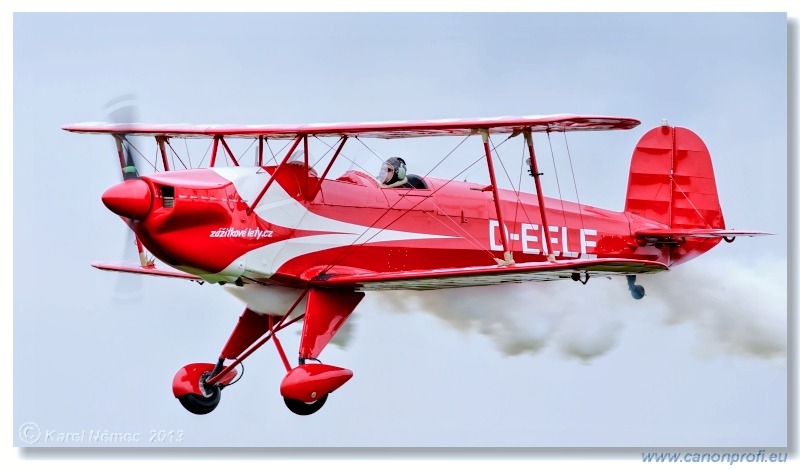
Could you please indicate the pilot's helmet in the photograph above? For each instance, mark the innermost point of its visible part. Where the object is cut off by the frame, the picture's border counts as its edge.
(392, 170)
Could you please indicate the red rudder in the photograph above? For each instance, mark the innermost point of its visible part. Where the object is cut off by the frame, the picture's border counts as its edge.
(672, 180)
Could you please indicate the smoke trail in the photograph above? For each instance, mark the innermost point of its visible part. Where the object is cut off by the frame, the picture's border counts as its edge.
(738, 310)
(525, 318)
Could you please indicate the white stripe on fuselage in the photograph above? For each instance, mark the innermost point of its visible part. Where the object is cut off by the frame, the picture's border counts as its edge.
(279, 208)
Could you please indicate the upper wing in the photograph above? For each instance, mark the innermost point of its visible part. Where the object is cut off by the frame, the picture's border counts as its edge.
(478, 276)
(387, 129)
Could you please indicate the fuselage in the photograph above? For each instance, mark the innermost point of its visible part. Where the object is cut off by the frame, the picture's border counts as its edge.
(198, 221)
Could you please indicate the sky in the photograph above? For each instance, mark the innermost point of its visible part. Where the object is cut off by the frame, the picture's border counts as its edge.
(700, 362)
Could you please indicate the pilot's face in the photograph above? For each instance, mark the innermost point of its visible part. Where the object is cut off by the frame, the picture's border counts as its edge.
(386, 174)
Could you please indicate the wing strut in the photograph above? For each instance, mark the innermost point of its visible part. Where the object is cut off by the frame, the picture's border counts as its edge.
(313, 193)
(280, 166)
(215, 148)
(305, 165)
(214, 151)
(535, 173)
(508, 257)
(161, 140)
(228, 150)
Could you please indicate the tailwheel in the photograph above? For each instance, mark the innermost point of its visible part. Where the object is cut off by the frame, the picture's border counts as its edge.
(204, 403)
(305, 408)
(637, 291)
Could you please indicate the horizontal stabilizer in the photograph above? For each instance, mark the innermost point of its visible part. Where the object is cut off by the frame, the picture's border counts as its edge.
(136, 268)
(675, 234)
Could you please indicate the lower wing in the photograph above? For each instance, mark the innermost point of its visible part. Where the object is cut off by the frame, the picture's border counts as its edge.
(136, 268)
(478, 276)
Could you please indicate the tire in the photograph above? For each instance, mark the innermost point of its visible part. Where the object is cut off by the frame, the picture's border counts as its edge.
(201, 405)
(305, 408)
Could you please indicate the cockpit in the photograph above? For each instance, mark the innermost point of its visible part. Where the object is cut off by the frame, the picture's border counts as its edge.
(393, 175)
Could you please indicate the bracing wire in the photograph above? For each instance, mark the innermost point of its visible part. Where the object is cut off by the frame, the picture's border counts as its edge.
(346, 251)
(330, 148)
(208, 148)
(519, 204)
(558, 184)
(176, 155)
(517, 191)
(244, 153)
(574, 183)
(460, 231)
(131, 146)
(272, 153)
(369, 149)
(189, 155)
(274, 159)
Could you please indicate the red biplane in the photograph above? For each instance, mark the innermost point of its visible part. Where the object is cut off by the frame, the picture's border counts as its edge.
(284, 236)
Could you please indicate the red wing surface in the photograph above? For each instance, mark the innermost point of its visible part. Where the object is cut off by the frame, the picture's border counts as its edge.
(136, 268)
(485, 275)
(387, 129)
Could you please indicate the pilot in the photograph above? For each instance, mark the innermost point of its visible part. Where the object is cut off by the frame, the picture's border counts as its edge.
(393, 173)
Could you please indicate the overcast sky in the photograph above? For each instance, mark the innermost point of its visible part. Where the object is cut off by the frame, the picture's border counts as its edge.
(700, 362)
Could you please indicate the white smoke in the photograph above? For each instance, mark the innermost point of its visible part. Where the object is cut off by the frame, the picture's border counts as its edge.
(736, 310)
(525, 318)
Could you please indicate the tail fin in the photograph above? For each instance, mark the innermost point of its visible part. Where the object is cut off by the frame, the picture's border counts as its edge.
(672, 180)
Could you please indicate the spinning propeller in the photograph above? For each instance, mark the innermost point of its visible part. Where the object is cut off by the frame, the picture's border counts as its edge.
(122, 111)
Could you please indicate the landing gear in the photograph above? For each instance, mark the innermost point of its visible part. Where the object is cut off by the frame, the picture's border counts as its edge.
(202, 404)
(306, 387)
(637, 291)
(576, 276)
(305, 408)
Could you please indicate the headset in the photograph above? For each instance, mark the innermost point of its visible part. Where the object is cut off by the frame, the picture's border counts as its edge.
(400, 171)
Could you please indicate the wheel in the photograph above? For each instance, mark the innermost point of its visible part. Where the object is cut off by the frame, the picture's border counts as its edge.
(205, 403)
(305, 408)
(201, 405)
